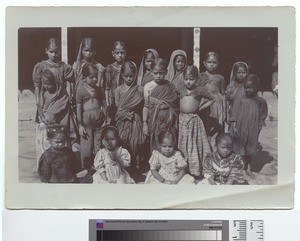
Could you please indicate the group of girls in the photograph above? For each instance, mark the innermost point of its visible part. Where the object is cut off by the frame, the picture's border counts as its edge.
(168, 115)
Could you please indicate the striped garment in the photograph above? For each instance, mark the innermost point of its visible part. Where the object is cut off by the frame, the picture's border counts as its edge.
(193, 142)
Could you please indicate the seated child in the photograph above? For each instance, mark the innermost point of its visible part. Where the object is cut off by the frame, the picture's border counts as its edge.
(111, 161)
(58, 163)
(224, 166)
(167, 166)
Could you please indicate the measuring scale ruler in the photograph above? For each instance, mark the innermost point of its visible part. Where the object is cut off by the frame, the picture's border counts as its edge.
(246, 230)
(176, 230)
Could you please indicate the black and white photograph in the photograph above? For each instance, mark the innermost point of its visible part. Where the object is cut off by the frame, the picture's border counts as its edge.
(188, 106)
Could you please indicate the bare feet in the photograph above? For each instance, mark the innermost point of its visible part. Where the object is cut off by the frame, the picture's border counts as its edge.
(250, 174)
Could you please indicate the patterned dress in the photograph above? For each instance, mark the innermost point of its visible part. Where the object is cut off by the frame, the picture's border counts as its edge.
(115, 171)
(223, 169)
(168, 168)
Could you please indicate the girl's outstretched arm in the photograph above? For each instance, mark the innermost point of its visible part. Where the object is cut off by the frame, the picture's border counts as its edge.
(38, 102)
(145, 124)
(81, 129)
(206, 104)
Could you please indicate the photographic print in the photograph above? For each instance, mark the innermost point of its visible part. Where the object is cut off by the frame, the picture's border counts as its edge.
(128, 112)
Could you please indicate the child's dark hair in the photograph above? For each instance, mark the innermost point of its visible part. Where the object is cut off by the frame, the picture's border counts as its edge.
(53, 41)
(89, 69)
(129, 65)
(160, 63)
(212, 54)
(54, 130)
(119, 43)
(47, 74)
(253, 79)
(165, 134)
(89, 42)
(192, 70)
(108, 128)
(224, 136)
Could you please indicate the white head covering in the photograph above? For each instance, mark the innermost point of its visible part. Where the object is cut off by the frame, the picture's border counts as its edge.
(171, 68)
(142, 69)
(135, 71)
(232, 74)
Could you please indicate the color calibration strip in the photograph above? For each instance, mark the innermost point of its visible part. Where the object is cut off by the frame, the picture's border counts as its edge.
(164, 235)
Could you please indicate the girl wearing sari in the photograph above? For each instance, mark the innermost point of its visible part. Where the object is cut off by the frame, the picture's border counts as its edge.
(86, 55)
(145, 70)
(54, 108)
(112, 76)
(64, 82)
(235, 89)
(129, 102)
(176, 66)
(214, 83)
(160, 112)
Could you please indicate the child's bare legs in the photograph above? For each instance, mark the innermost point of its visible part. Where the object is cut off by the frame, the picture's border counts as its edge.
(86, 146)
(247, 167)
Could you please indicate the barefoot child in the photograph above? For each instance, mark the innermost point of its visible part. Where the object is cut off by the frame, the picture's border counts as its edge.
(111, 161)
(223, 166)
(214, 83)
(129, 102)
(112, 76)
(192, 139)
(176, 66)
(160, 112)
(248, 117)
(145, 71)
(58, 163)
(90, 115)
(86, 55)
(167, 166)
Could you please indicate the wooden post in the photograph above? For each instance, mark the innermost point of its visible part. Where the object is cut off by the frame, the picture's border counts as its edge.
(196, 54)
(64, 44)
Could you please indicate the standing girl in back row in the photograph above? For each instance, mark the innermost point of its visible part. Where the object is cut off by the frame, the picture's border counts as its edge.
(176, 67)
(147, 63)
(113, 76)
(86, 55)
(214, 83)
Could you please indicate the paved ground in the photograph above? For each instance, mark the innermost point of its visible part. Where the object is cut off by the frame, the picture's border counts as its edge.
(265, 165)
